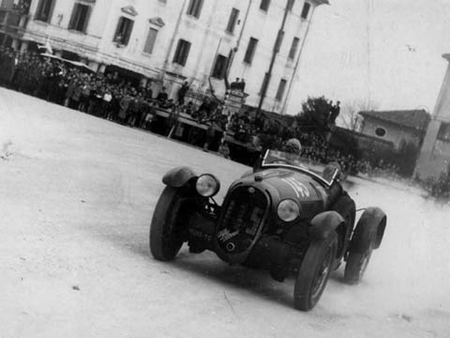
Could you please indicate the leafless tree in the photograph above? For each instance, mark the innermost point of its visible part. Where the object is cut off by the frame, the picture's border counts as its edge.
(349, 117)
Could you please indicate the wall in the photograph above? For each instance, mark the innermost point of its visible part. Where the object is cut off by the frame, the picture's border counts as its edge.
(435, 155)
(394, 133)
(207, 35)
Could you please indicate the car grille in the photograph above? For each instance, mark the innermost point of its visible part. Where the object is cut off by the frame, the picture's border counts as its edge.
(242, 216)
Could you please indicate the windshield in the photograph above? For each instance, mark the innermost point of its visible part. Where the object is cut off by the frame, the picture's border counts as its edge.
(277, 158)
(282, 157)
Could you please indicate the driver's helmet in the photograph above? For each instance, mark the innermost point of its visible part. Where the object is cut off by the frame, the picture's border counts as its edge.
(293, 146)
(330, 170)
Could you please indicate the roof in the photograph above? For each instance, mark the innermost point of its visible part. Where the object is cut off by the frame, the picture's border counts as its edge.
(416, 119)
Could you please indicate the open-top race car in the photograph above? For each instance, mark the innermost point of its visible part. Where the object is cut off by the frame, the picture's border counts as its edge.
(282, 217)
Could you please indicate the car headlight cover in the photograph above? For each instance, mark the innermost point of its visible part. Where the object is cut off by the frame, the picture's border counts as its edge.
(288, 210)
(207, 185)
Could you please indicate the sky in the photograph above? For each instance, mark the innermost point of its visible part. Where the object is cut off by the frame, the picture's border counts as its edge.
(386, 52)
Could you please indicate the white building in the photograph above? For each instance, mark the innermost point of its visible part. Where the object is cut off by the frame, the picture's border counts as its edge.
(171, 41)
(434, 158)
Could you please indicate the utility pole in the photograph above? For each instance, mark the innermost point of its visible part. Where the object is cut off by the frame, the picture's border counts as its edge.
(276, 49)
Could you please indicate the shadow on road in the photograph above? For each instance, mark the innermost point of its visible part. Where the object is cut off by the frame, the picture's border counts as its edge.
(206, 265)
(256, 282)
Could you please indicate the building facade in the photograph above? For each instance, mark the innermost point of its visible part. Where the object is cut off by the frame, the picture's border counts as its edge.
(168, 42)
(400, 127)
(434, 157)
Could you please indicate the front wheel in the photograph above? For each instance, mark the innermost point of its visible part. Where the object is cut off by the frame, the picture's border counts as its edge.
(314, 271)
(165, 238)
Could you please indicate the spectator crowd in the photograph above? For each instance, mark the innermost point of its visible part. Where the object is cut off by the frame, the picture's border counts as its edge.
(114, 98)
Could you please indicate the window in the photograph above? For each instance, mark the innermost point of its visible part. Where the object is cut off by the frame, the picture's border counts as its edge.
(195, 7)
(80, 17)
(182, 52)
(279, 41)
(294, 47)
(444, 132)
(123, 31)
(280, 91)
(220, 67)
(290, 5)
(380, 132)
(150, 42)
(305, 10)
(264, 84)
(44, 10)
(248, 58)
(232, 20)
(264, 5)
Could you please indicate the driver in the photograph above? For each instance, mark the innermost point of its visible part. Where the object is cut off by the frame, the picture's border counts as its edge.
(334, 170)
(293, 146)
(290, 147)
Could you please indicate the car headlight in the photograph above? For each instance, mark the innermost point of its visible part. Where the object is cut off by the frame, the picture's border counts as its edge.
(207, 185)
(288, 210)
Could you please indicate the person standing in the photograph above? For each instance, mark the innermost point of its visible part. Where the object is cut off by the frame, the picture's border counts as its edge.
(149, 115)
(107, 98)
(162, 96)
(85, 95)
(210, 136)
(124, 105)
(182, 93)
(76, 95)
(234, 84)
(335, 111)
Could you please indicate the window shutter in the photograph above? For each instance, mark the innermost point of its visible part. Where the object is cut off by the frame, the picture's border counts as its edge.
(281, 88)
(129, 28)
(187, 48)
(150, 42)
(88, 12)
(117, 33)
(73, 18)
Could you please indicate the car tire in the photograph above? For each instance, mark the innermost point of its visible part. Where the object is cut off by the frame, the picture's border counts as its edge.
(356, 266)
(314, 272)
(360, 251)
(165, 241)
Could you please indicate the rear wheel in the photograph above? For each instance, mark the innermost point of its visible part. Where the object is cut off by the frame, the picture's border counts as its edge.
(356, 266)
(360, 251)
(314, 272)
(165, 235)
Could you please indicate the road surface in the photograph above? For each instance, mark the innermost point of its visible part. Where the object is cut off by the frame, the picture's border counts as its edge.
(77, 196)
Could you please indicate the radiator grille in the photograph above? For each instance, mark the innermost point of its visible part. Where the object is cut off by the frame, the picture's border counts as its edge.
(244, 210)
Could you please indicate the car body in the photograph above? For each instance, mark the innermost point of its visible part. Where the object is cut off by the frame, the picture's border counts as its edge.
(282, 217)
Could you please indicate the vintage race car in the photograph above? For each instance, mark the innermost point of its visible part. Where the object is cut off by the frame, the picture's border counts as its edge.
(281, 216)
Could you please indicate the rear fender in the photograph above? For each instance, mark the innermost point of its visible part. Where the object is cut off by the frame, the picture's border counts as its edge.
(178, 177)
(323, 224)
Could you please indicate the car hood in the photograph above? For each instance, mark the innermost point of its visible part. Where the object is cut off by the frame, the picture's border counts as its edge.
(288, 183)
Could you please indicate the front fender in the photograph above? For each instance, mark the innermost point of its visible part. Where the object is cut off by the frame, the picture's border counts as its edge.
(323, 224)
(178, 177)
